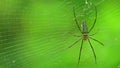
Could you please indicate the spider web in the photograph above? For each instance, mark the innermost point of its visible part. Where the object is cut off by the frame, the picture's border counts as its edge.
(34, 33)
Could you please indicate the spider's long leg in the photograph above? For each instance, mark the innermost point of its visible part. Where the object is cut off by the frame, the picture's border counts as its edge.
(80, 54)
(96, 41)
(74, 43)
(76, 20)
(94, 20)
(92, 50)
(94, 33)
(76, 35)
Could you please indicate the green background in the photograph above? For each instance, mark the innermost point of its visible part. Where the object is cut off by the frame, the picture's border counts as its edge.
(34, 34)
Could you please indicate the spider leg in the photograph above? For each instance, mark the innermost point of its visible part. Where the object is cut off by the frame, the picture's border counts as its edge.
(92, 50)
(80, 54)
(94, 33)
(76, 20)
(74, 35)
(96, 41)
(74, 43)
(94, 20)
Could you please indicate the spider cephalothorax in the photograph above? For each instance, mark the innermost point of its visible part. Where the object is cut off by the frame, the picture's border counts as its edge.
(85, 37)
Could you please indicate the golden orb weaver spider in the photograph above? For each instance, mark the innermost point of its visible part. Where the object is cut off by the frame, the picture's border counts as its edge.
(85, 34)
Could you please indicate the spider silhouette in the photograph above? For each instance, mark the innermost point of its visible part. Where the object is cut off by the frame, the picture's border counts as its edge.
(85, 34)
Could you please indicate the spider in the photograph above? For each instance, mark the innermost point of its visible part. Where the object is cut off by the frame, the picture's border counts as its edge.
(85, 34)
